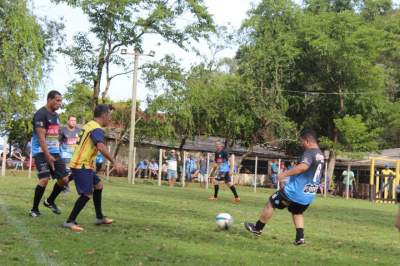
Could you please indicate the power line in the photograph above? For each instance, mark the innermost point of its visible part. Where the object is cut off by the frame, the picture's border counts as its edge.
(329, 93)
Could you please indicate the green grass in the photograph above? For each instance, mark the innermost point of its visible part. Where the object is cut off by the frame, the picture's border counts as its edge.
(175, 226)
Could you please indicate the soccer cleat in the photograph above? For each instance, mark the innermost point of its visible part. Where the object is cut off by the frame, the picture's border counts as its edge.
(212, 198)
(34, 214)
(236, 200)
(104, 220)
(73, 226)
(52, 206)
(299, 242)
(252, 228)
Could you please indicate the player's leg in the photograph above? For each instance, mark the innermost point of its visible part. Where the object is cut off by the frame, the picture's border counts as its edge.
(43, 170)
(265, 216)
(84, 180)
(215, 182)
(68, 170)
(97, 199)
(61, 174)
(229, 183)
(278, 200)
(298, 221)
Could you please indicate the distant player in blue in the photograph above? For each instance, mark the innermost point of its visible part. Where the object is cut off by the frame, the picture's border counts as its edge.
(224, 168)
(299, 191)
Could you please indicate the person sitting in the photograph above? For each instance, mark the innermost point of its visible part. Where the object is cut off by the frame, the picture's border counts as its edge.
(153, 169)
(141, 169)
(16, 155)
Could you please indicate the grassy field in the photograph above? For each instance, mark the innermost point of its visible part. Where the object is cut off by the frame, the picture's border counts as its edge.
(175, 226)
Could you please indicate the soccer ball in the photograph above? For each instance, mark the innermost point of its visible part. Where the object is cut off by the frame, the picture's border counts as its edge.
(224, 220)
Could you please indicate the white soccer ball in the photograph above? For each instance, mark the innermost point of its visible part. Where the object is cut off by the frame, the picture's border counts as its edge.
(224, 220)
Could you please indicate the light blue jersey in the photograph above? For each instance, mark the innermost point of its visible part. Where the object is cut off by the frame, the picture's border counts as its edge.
(302, 188)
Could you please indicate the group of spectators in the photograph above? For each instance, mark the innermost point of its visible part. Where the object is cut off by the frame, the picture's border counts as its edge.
(172, 168)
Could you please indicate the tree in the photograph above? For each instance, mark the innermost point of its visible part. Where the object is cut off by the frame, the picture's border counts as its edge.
(319, 64)
(78, 99)
(26, 48)
(115, 24)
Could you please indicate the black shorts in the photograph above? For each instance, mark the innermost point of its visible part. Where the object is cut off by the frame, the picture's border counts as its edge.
(280, 201)
(224, 176)
(44, 170)
(398, 193)
(67, 161)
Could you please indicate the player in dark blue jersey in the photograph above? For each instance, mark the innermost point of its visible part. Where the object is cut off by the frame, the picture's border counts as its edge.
(46, 151)
(299, 191)
(223, 168)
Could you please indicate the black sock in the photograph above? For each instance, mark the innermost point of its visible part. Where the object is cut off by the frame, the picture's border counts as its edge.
(39, 191)
(56, 191)
(79, 205)
(233, 189)
(299, 233)
(216, 188)
(260, 225)
(97, 203)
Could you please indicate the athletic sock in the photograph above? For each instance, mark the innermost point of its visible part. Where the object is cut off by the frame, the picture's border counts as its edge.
(97, 203)
(56, 191)
(233, 189)
(299, 233)
(259, 225)
(39, 191)
(216, 188)
(79, 205)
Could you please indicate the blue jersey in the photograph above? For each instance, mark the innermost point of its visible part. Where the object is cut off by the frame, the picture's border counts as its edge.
(302, 188)
(68, 140)
(222, 159)
(51, 123)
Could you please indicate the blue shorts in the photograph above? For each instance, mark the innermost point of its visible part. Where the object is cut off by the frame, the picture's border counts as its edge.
(85, 180)
(172, 174)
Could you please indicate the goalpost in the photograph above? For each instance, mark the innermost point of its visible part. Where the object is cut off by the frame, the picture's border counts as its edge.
(383, 187)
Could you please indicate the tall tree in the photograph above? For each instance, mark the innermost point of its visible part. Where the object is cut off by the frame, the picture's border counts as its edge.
(115, 24)
(26, 48)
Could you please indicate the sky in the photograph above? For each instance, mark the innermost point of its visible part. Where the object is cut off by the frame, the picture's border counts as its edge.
(230, 13)
(224, 12)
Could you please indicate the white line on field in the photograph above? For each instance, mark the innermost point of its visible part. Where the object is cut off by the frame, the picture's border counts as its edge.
(41, 257)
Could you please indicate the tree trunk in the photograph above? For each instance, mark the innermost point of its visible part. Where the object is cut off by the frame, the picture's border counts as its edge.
(244, 156)
(331, 164)
(120, 141)
(99, 73)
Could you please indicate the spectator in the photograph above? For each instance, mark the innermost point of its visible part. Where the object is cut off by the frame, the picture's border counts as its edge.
(99, 162)
(164, 171)
(202, 170)
(153, 169)
(348, 179)
(172, 166)
(16, 155)
(141, 168)
(274, 172)
(387, 179)
(190, 168)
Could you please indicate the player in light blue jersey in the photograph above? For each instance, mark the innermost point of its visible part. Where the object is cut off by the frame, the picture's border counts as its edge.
(300, 189)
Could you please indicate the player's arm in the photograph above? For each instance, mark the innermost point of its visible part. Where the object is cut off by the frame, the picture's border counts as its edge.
(298, 169)
(41, 133)
(98, 139)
